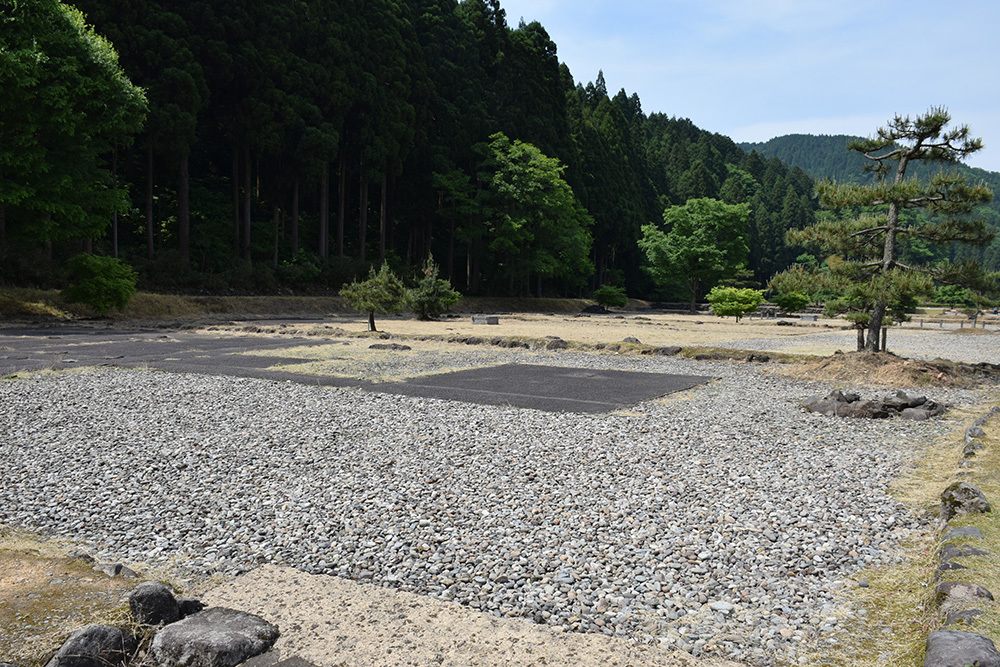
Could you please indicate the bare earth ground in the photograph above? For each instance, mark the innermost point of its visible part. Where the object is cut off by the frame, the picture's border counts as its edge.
(333, 621)
(44, 595)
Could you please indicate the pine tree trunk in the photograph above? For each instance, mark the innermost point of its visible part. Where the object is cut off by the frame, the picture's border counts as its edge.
(324, 212)
(149, 203)
(371, 320)
(875, 327)
(247, 194)
(184, 210)
(861, 339)
(295, 218)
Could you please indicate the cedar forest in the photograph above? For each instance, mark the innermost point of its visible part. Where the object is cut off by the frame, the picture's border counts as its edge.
(253, 147)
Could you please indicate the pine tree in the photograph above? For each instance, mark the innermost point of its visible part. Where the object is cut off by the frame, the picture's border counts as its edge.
(871, 242)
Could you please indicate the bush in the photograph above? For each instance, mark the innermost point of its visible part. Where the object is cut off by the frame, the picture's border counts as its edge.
(792, 302)
(728, 301)
(609, 295)
(432, 295)
(102, 283)
(953, 296)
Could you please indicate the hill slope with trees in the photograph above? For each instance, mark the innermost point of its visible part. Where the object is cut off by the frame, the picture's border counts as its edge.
(294, 144)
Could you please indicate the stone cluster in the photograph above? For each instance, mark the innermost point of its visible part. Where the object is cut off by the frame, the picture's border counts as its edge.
(839, 403)
(183, 633)
(959, 601)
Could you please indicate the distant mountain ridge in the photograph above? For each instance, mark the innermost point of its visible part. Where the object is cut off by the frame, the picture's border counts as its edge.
(826, 156)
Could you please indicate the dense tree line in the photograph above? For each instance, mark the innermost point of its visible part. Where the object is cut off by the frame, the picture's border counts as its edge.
(296, 143)
(827, 157)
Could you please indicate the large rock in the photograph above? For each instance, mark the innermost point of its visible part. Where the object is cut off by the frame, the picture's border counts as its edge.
(863, 410)
(951, 648)
(963, 531)
(153, 603)
(95, 646)
(216, 637)
(949, 592)
(962, 498)
(915, 414)
(951, 552)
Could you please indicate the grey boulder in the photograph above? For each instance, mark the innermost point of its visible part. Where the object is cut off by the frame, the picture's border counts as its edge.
(962, 498)
(216, 637)
(951, 648)
(951, 591)
(95, 646)
(153, 603)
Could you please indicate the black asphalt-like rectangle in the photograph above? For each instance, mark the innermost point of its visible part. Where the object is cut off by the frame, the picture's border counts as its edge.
(538, 387)
(550, 388)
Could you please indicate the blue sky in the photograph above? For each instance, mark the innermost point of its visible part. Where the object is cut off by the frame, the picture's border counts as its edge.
(756, 69)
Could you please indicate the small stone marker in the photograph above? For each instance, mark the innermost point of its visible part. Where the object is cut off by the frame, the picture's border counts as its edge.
(485, 319)
(809, 318)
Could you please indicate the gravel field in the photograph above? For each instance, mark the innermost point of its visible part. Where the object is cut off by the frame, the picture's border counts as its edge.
(908, 342)
(722, 520)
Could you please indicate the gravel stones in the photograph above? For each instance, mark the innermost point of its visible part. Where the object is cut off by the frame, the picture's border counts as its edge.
(628, 524)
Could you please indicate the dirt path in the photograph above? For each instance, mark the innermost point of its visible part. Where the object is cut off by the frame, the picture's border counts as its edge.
(332, 621)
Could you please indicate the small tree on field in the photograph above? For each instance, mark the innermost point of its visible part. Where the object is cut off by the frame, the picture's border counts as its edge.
(102, 283)
(732, 301)
(792, 302)
(611, 295)
(432, 295)
(870, 243)
(383, 293)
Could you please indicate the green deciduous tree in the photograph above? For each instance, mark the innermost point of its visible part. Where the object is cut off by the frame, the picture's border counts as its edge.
(65, 105)
(536, 225)
(735, 302)
(704, 242)
(870, 243)
(383, 293)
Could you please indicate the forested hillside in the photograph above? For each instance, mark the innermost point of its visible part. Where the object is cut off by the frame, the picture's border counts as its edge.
(293, 144)
(826, 156)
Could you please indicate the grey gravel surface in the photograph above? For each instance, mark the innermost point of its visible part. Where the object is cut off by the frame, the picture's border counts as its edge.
(719, 520)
